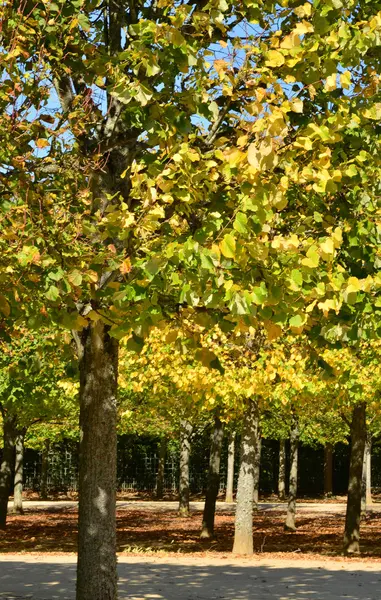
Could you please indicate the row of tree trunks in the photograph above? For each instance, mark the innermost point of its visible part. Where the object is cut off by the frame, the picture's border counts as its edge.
(44, 470)
(161, 469)
(282, 470)
(366, 490)
(328, 469)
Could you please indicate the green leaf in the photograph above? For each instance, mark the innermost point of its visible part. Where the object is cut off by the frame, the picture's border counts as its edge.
(297, 277)
(228, 246)
(52, 293)
(296, 321)
(240, 223)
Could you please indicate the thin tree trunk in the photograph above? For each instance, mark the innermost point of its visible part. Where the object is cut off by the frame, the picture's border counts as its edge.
(185, 435)
(257, 471)
(230, 469)
(213, 479)
(19, 473)
(353, 515)
(6, 467)
(161, 468)
(366, 493)
(328, 470)
(290, 524)
(282, 471)
(44, 470)
(243, 534)
(98, 361)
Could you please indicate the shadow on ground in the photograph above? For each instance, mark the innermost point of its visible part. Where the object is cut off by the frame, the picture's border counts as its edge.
(163, 580)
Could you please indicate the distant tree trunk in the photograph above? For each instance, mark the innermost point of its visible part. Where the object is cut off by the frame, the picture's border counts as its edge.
(6, 466)
(293, 482)
(243, 535)
(353, 515)
(257, 471)
(230, 469)
(98, 362)
(366, 489)
(44, 470)
(328, 470)
(185, 435)
(282, 471)
(19, 472)
(213, 485)
(161, 468)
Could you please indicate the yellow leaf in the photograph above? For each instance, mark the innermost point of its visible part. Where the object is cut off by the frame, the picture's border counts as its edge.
(345, 80)
(42, 143)
(274, 59)
(331, 83)
(4, 306)
(290, 41)
(303, 27)
(296, 105)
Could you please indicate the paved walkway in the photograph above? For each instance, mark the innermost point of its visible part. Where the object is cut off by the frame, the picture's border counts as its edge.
(53, 578)
(303, 507)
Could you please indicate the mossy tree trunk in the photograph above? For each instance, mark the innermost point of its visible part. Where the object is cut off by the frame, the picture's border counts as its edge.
(230, 468)
(353, 514)
(19, 472)
(282, 471)
(366, 490)
(213, 485)
(243, 534)
(185, 446)
(257, 470)
(328, 469)
(96, 572)
(9, 434)
(290, 524)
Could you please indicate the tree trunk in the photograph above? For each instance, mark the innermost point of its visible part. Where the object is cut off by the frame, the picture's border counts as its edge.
(98, 362)
(44, 470)
(353, 515)
(185, 434)
(243, 534)
(328, 470)
(293, 481)
(230, 469)
(366, 492)
(257, 471)
(6, 467)
(161, 468)
(213, 479)
(282, 471)
(19, 473)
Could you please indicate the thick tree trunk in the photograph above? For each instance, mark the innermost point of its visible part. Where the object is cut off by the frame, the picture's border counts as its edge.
(19, 473)
(353, 515)
(44, 470)
(282, 471)
(243, 535)
(366, 490)
(290, 524)
(185, 435)
(213, 479)
(161, 468)
(6, 467)
(257, 471)
(98, 360)
(230, 469)
(328, 469)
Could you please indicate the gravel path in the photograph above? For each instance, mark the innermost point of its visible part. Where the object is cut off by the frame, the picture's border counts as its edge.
(53, 578)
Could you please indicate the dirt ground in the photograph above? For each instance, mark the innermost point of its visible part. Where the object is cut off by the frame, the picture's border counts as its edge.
(160, 533)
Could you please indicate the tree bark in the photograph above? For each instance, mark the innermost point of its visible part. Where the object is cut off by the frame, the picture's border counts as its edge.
(161, 468)
(243, 534)
(257, 471)
(290, 524)
(230, 469)
(6, 467)
(328, 469)
(366, 491)
(98, 363)
(353, 515)
(282, 471)
(19, 473)
(185, 434)
(213, 485)
(44, 470)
